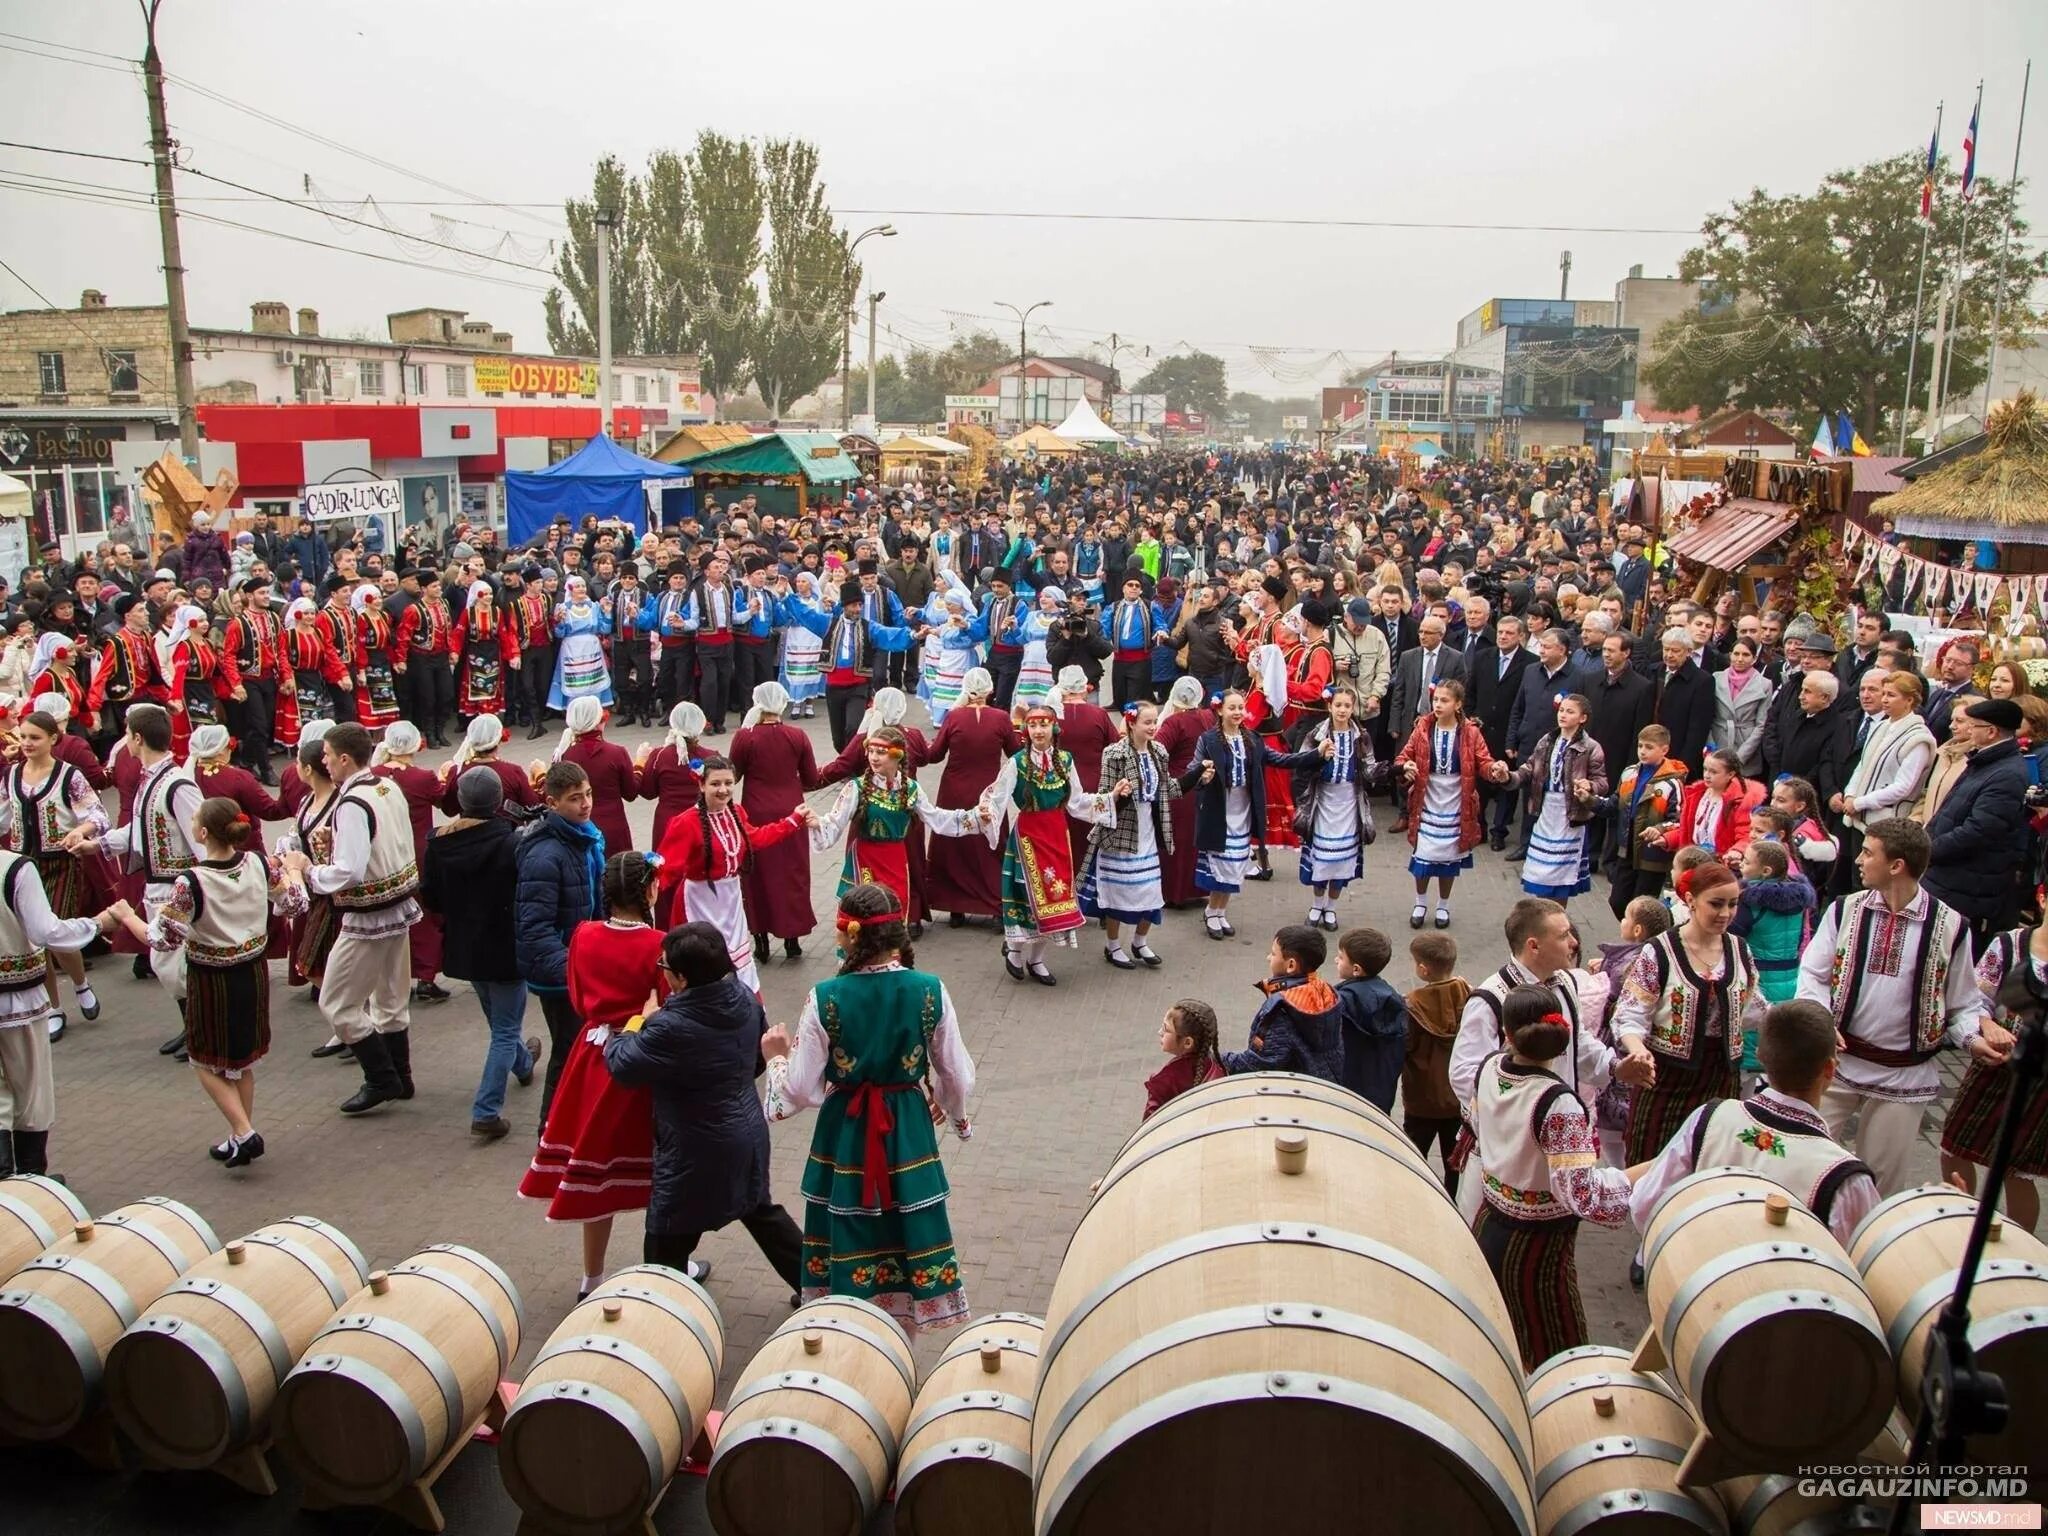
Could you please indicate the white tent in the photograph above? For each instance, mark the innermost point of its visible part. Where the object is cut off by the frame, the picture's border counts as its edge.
(15, 497)
(1084, 426)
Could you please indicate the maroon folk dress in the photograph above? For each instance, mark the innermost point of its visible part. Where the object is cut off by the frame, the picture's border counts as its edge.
(519, 788)
(422, 790)
(612, 784)
(1178, 735)
(1087, 731)
(964, 874)
(776, 767)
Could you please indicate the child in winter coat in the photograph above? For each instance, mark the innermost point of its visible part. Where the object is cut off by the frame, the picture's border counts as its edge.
(1188, 1037)
(1429, 1109)
(1296, 1028)
(1645, 800)
(1645, 919)
(1373, 1017)
(1776, 911)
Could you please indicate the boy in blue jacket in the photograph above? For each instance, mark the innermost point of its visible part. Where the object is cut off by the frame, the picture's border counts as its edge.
(1295, 1028)
(1372, 1015)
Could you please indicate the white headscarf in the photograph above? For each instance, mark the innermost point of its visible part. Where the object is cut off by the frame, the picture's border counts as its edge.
(770, 698)
(48, 644)
(486, 733)
(480, 590)
(180, 625)
(209, 741)
(585, 715)
(360, 598)
(1268, 666)
(977, 684)
(1186, 693)
(685, 722)
(401, 739)
(1072, 680)
(55, 705)
(887, 709)
(297, 606)
(1058, 597)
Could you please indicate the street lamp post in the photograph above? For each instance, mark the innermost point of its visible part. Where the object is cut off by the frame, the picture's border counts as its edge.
(1023, 315)
(886, 231)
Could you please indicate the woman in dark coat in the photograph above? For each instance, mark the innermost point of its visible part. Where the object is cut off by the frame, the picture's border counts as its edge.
(776, 769)
(698, 1056)
(610, 766)
(1181, 726)
(963, 875)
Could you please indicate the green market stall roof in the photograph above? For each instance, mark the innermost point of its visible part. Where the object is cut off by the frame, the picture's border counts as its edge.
(817, 457)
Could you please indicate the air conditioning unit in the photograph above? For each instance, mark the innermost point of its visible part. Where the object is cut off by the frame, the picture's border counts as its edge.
(285, 357)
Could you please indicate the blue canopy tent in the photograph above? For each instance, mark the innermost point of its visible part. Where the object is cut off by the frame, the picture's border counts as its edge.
(600, 477)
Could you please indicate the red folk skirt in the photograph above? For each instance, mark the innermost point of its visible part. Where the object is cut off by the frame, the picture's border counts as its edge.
(596, 1153)
(1177, 869)
(964, 874)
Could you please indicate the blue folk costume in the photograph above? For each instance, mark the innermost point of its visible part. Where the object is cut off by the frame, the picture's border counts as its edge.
(1088, 569)
(581, 670)
(952, 649)
(1331, 807)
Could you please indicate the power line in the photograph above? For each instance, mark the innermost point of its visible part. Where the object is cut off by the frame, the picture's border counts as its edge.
(106, 354)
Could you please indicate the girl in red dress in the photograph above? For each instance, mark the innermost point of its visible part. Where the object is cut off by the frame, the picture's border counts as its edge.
(312, 673)
(609, 765)
(486, 647)
(774, 758)
(705, 855)
(198, 673)
(421, 787)
(596, 1152)
(377, 644)
(964, 876)
(53, 674)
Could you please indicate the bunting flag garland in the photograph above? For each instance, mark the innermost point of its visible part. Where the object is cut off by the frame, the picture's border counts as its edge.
(1869, 560)
(1987, 589)
(1852, 535)
(1913, 575)
(1888, 560)
(1937, 582)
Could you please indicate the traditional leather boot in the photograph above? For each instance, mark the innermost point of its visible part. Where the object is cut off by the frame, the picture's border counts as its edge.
(381, 1082)
(399, 1044)
(32, 1152)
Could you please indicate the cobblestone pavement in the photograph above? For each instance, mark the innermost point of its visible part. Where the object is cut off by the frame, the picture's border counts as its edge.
(1059, 1075)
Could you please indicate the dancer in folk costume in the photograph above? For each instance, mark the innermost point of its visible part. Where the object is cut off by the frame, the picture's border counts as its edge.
(46, 799)
(337, 620)
(421, 787)
(1540, 1158)
(424, 650)
(802, 672)
(1332, 790)
(608, 765)
(53, 674)
(1230, 809)
(127, 673)
(581, 670)
(952, 647)
(532, 614)
(1121, 882)
(776, 767)
(1265, 715)
(1036, 791)
(254, 641)
(878, 813)
(482, 742)
(888, 707)
(1087, 730)
(1971, 1127)
(706, 852)
(312, 833)
(380, 659)
(1030, 630)
(864, 1049)
(964, 877)
(1182, 724)
(1565, 775)
(218, 913)
(218, 776)
(1442, 761)
(849, 636)
(196, 672)
(596, 1153)
(669, 776)
(486, 644)
(313, 675)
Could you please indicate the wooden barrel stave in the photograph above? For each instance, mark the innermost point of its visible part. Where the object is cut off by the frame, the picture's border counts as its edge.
(64, 1310)
(609, 1407)
(966, 1459)
(1774, 1506)
(34, 1213)
(1617, 1468)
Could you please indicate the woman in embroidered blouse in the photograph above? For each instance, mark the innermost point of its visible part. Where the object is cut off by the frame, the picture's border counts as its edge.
(1540, 1160)
(45, 799)
(704, 851)
(1686, 1000)
(875, 1224)
(581, 626)
(878, 813)
(1443, 760)
(1230, 810)
(1123, 881)
(1971, 1127)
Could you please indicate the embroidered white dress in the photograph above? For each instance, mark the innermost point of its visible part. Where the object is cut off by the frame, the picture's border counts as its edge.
(1224, 872)
(1558, 865)
(1440, 838)
(1126, 887)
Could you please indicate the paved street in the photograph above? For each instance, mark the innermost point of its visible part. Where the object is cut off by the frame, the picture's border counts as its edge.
(1059, 1088)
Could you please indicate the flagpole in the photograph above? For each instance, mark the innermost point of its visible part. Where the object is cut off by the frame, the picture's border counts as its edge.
(1919, 293)
(2005, 249)
(1962, 255)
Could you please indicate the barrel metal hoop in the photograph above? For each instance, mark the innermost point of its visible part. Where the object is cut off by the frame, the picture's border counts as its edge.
(414, 1343)
(674, 1277)
(1009, 1317)
(1306, 1315)
(812, 1438)
(614, 1407)
(975, 1448)
(1597, 1380)
(1986, 1331)
(1693, 1212)
(1634, 1501)
(1957, 1207)
(867, 1309)
(1299, 1088)
(1606, 1448)
(67, 1328)
(1934, 1292)
(29, 1217)
(1722, 1265)
(337, 1293)
(92, 1277)
(250, 1314)
(476, 1304)
(197, 1222)
(1267, 1122)
(1738, 1317)
(383, 1388)
(170, 1252)
(1251, 1233)
(963, 1402)
(1259, 1386)
(842, 1325)
(1767, 1492)
(1891, 1203)
(961, 1348)
(828, 1387)
(714, 1349)
(189, 1335)
(658, 1375)
(490, 1268)
(334, 1235)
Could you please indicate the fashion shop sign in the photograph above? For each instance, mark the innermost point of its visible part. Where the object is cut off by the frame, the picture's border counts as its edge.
(354, 498)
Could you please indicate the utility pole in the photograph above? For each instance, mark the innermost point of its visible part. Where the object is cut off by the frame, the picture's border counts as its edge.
(606, 220)
(886, 231)
(167, 226)
(874, 303)
(2005, 248)
(1564, 280)
(1023, 354)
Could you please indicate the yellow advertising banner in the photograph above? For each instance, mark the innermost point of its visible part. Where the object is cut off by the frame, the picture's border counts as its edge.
(535, 376)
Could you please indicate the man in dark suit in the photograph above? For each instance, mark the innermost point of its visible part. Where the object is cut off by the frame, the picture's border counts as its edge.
(1685, 701)
(1534, 712)
(1394, 620)
(1861, 655)
(1417, 671)
(1624, 701)
(1957, 664)
(1495, 679)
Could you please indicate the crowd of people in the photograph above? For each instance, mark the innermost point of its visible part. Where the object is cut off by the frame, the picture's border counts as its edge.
(1143, 679)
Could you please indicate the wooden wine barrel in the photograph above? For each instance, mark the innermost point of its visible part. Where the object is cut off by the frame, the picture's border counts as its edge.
(1609, 1442)
(33, 1212)
(966, 1467)
(399, 1376)
(196, 1376)
(1273, 1265)
(810, 1434)
(1910, 1250)
(1774, 1506)
(613, 1402)
(63, 1310)
(1765, 1325)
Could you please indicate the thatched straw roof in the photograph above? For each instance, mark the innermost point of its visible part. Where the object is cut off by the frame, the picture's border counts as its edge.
(1999, 494)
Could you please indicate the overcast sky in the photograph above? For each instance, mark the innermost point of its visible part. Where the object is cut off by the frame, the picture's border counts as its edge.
(1561, 113)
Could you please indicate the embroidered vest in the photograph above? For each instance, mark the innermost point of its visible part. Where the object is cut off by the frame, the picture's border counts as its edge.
(391, 875)
(256, 647)
(341, 634)
(43, 815)
(430, 634)
(1682, 996)
(22, 964)
(1508, 1109)
(156, 843)
(131, 666)
(1493, 992)
(230, 911)
(1757, 1135)
(1929, 970)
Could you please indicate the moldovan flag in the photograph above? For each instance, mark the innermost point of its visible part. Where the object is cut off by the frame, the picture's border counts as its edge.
(1823, 440)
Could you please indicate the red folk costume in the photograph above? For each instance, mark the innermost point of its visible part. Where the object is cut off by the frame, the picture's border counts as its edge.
(66, 686)
(776, 769)
(708, 872)
(596, 1153)
(127, 673)
(255, 639)
(612, 784)
(426, 626)
(1178, 734)
(198, 674)
(311, 675)
(338, 625)
(422, 790)
(485, 643)
(964, 874)
(377, 675)
(851, 764)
